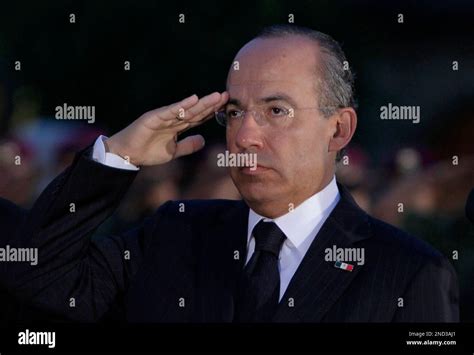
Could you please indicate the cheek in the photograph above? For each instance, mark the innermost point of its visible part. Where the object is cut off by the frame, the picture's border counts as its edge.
(306, 157)
(230, 141)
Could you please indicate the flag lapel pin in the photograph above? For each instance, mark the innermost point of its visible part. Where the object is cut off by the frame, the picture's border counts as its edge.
(344, 266)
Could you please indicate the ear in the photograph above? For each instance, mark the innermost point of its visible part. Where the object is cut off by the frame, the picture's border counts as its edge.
(344, 125)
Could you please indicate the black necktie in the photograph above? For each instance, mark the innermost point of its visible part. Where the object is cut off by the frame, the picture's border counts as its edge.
(260, 282)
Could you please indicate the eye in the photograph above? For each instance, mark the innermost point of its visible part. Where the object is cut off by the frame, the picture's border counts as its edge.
(278, 111)
(233, 113)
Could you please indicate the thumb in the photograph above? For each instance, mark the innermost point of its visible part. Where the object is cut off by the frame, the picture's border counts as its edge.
(189, 145)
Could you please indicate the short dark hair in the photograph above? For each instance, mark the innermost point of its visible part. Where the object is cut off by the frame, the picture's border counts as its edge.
(336, 80)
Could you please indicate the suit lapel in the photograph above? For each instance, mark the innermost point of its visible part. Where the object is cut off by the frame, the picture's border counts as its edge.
(317, 284)
(223, 240)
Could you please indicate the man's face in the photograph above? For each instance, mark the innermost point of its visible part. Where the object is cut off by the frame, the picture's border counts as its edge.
(293, 159)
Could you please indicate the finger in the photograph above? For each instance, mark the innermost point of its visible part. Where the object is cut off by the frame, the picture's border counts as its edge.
(209, 112)
(195, 124)
(178, 108)
(207, 115)
(207, 103)
(189, 145)
(204, 104)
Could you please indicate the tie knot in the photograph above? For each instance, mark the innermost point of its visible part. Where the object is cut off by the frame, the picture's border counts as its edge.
(268, 237)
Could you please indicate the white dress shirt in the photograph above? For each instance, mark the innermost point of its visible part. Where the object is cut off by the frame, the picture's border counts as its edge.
(110, 159)
(300, 226)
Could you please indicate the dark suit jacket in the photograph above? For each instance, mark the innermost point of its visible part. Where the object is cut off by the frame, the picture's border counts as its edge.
(11, 218)
(183, 265)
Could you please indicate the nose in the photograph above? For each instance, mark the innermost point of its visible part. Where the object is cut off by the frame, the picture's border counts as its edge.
(249, 133)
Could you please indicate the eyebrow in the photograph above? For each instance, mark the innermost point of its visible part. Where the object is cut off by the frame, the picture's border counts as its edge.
(266, 99)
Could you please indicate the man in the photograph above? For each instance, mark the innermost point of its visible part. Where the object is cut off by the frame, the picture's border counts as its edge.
(267, 258)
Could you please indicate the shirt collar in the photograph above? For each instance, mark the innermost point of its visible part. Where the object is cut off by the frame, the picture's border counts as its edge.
(298, 223)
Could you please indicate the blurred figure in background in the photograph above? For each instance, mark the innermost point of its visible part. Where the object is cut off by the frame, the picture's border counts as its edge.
(207, 171)
(19, 172)
(354, 172)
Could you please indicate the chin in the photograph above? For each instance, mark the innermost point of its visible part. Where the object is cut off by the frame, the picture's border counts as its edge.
(259, 193)
(258, 188)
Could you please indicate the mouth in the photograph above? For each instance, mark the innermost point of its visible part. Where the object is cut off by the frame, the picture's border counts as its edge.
(254, 170)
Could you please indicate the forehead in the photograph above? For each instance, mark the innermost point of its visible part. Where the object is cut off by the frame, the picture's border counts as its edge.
(274, 64)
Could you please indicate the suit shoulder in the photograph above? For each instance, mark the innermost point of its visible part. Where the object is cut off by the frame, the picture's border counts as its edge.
(199, 208)
(406, 258)
(402, 244)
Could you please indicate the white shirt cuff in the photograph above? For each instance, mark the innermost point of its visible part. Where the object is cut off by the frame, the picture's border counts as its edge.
(110, 159)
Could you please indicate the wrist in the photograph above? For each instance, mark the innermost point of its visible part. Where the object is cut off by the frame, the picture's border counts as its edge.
(112, 147)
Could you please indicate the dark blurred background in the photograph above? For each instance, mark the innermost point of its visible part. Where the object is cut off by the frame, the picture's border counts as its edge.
(390, 162)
